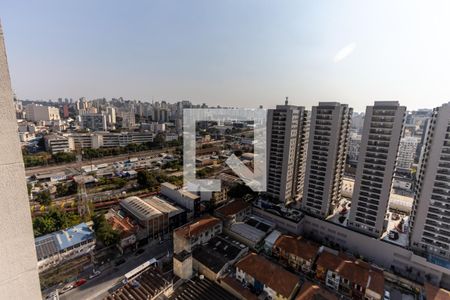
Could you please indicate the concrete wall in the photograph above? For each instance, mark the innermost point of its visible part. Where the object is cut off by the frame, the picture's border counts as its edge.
(19, 275)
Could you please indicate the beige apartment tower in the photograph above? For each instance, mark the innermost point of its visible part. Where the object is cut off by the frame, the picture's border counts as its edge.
(430, 218)
(380, 140)
(287, 140)
(327, 151)
(19, 276)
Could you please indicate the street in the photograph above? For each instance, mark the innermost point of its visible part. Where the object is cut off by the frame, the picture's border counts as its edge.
(97, 288)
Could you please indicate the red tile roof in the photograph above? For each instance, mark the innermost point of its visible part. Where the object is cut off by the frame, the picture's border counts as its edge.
(237, 286)
(297, 246)
(232, 208)
(197, 226)
(356, 272)
(376, 281)
(434, 293)
(123, 225)
(310, 291)
(272, 275)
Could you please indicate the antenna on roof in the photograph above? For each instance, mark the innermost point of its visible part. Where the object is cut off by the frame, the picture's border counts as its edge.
(286, 101)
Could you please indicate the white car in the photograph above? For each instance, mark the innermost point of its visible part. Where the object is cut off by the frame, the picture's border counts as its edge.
(66, 289)
(387, 295)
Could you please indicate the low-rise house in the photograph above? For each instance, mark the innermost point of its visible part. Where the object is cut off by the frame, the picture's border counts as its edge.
(57, 247)
(297, 252)
(310, 291)
(196, 233)
(234, 211)
(125, 227)
(435, 293)
(355, 279)
(264, 276)
(215, 257)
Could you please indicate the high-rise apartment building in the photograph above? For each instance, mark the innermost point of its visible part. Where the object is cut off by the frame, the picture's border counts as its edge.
(327, 151)
(430, 218)
(407, 152)
(287, 140)
(94, 122)
(381, 134)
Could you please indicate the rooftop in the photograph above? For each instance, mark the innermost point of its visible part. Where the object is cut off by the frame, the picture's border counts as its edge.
(55, 242)
(310, 291)
(197, 226)
(163, 206)
(201, 289)
(139, 208)
(145, 286)
(121, 224)
(297, 246)
(356, 271)
(232, 208)
(272, 275)
(434, 293)
(217, 252)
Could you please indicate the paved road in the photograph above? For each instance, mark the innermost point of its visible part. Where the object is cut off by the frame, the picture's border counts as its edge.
(109, 159)
(97, 288)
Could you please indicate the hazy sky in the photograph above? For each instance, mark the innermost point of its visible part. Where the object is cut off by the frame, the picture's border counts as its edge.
(235, 53)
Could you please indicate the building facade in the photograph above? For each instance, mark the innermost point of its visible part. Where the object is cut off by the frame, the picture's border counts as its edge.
(379, 146)
(407, 152)
(327, 151)
(287, 139)
(430, 218)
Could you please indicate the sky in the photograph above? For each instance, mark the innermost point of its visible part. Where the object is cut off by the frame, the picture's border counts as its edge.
(242, 53)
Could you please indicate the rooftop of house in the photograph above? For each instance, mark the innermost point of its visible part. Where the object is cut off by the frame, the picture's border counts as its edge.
(232, 208)
(239, 288)
(297, 246)
(310, 291)
(121, 224)
(434, 293)
(217, 252)
(197, 226)
(272, 275)
(356, 271)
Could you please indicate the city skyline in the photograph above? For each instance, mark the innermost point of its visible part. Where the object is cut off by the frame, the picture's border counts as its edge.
(227, 54)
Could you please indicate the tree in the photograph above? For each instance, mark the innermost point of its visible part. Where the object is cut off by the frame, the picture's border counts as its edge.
(44, 197)
(239, 191)
(104, 231)
(146, 179)
(54, 220)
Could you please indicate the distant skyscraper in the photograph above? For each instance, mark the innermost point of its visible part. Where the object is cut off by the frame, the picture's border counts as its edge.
(381, 134)
(430, 218)
(287, 133)
(94, 122)
(327, 151)
(18, 277)
(407, 152)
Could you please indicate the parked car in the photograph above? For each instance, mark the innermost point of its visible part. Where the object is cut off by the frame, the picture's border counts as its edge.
(66, 289)
(80, 282)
